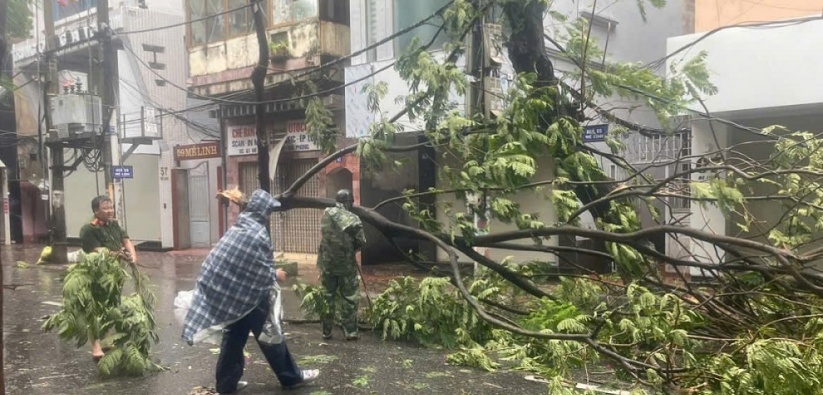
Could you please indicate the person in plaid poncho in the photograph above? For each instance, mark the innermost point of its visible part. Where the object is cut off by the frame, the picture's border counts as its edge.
(232, 296)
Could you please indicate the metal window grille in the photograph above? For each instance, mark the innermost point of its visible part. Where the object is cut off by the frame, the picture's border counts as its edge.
(296, 230)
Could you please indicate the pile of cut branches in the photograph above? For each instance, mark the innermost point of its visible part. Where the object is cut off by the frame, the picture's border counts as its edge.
(94, 308)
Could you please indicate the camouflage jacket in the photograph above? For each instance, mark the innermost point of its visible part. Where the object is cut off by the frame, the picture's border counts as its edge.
(343, 236)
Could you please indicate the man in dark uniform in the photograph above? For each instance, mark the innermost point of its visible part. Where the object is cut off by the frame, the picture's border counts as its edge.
(103, 232)
(343, 236)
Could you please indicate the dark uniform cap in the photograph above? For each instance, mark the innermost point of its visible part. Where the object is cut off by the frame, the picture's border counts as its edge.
(344, 196)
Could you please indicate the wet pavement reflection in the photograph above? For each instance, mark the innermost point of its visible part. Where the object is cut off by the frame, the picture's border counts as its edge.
(40, 363)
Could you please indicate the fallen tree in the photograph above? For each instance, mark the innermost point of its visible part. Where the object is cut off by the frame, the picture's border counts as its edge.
(752, 326)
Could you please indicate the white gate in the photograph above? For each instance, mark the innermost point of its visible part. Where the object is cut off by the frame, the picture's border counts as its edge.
(199, 206)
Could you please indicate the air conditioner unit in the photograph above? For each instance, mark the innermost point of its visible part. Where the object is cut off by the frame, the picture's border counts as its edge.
(74, 115)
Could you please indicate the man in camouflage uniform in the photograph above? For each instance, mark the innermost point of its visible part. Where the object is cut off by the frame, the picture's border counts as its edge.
(343, 236)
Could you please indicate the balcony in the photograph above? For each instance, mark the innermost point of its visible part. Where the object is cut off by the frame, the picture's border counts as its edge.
(222, 61)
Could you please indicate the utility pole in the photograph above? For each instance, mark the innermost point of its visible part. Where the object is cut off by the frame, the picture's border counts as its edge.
(478, 66)
(107, 87)
(50, 89)
(3, 48)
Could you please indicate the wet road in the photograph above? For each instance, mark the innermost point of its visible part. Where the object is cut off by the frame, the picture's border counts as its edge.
(39, 363)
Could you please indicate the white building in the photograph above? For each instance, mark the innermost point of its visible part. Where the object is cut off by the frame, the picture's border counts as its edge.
(165, 200)
(617, 26)
(765, 76)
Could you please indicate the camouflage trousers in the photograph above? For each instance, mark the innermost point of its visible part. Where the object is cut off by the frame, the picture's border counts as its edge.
(346, 290)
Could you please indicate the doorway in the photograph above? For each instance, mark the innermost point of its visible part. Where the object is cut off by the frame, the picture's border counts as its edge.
(337, 180)
(199, 206)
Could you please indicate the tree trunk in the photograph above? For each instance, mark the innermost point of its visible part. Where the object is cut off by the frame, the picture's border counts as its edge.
(528, 54)
(258, 79)
(527, 47)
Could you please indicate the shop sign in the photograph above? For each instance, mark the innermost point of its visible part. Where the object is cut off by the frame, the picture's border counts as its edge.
(297, 137)
(242, 140)
(197, 151)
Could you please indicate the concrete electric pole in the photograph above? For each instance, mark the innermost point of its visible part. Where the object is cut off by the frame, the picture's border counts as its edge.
(107, 87)
(50, 89)
(483, 99)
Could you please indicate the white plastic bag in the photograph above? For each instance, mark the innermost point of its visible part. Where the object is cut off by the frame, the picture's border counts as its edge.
(76, 256)
(182, 304)
(272, 332)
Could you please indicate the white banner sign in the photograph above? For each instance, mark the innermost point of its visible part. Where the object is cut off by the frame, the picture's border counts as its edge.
(297, 137)
(242, 140)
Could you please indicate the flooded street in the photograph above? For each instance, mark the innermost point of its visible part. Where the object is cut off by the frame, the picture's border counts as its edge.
(40, 363)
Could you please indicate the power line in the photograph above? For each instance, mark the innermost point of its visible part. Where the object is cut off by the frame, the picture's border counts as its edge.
(185, 122)
(746, 25)
(154, 29)
(300, 75)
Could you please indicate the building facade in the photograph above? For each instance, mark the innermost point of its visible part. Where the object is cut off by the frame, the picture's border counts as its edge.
(712, 14)
(765, 75)
(152, 184)
(306, 38)
(619, 29)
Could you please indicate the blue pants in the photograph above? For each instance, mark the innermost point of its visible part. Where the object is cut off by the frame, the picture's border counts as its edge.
(231, 362)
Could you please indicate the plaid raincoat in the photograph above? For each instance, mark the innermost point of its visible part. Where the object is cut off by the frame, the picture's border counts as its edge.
(237, 274)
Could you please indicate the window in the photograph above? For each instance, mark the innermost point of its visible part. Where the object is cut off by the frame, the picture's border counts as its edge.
(336, 11)
(197, 30)
(215, 29)
(210, 29)
(664, 147)
(681, 187)
(241, 22)
(222, 26)
(288, 11)
(62, 9)
(408, 13)
(384, 17)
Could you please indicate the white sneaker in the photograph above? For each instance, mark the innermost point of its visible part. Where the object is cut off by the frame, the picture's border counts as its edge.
(309, 375)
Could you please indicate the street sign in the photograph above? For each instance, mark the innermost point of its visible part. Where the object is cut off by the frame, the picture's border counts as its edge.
(593, 133)
(120, 172)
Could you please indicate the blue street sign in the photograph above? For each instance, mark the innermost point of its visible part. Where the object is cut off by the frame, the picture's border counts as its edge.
(120, 172)
(593, 133)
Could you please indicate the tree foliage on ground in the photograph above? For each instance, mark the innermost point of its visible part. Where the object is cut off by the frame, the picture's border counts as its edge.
(93, 307)
(753, 326)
